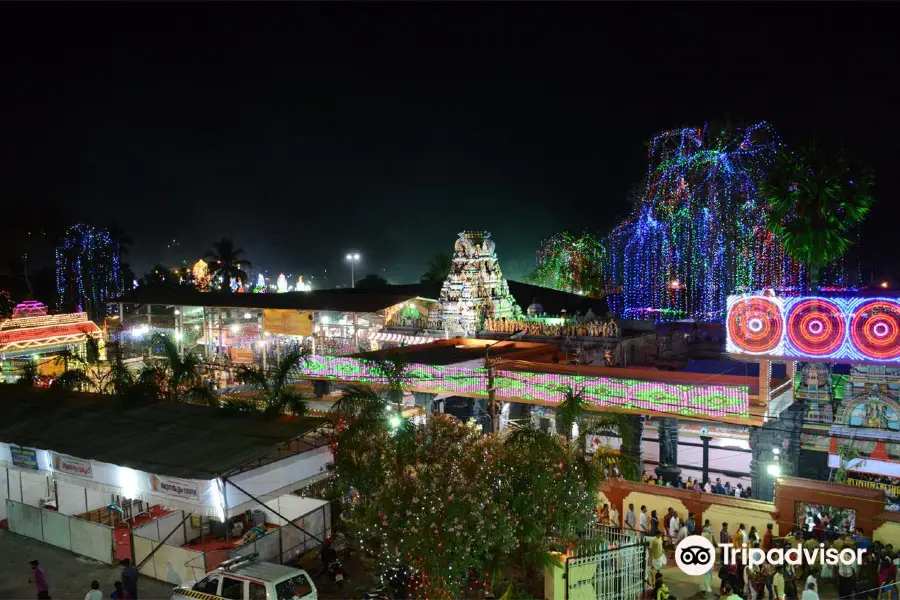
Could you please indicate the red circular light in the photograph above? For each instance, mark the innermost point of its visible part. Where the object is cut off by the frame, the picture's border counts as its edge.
(816, 327)
(875, 329)
(755, 324)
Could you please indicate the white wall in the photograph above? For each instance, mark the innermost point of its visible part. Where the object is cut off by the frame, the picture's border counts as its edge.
(280, 477)
(289, 505)
(71, 499)
(4, 480)
(158, 529)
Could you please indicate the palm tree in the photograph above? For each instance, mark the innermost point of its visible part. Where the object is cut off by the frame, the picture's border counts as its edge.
(225, 261)
(28, 374)
(180, 375)
(816, 198)
(573, 410)
(438, 268)
(82, 371)
(372, 280)
(278, 391)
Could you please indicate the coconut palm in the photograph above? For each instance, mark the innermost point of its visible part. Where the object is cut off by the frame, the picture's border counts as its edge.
(178, 376)
(816, 197)
(573, 410)
(438, 268)
(225, 261)
(278, 392)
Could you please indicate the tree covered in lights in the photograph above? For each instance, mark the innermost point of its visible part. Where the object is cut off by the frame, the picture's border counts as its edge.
(571, 262)
(88, 270)
(460, 509)
(698, 233)
(816, 198)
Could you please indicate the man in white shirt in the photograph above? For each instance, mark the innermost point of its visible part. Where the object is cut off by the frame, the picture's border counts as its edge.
(812, 584)
(94, 593)
(614, 516)
(645, 524)
(629, 517)
(810, 592)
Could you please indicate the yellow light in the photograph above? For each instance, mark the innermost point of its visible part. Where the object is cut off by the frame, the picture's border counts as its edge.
(884, 284)
(675, 284)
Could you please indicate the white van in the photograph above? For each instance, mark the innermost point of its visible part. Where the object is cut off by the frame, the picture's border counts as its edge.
(246, 578)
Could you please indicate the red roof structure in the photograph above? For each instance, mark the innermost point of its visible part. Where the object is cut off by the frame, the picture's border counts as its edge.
(32, 329)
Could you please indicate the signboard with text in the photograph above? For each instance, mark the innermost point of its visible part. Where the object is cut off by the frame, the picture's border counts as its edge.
(24, 458)
(73, 466)
(178, 488)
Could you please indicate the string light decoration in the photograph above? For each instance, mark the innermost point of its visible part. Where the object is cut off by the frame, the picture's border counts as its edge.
(699, 223)
(88, 270)
(572, 262)
(549, 388)
(839, 329)
(200, 271)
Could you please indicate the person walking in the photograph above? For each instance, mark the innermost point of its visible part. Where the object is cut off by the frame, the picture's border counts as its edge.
(691, 524)
(778, 590)
(810, 592)
(768, 538)
(707, 579)
(645, 525)
(130, 578)
(846, 579)
(654, 523)
(119, 592)
(657, 555)
(614, 516)
(94, 593)
(724, 538)
(39, 578)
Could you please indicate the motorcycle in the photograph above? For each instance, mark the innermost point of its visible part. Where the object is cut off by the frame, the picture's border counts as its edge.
(336, 572)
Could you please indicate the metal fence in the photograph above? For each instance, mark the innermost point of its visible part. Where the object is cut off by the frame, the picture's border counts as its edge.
(287, 543)
(599, 538)
(616, 573)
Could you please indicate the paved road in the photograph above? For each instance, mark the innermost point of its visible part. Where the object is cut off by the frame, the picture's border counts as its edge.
(69, 575)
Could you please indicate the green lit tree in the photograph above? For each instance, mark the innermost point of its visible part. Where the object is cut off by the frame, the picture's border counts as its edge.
(571, 262)
(816, 197)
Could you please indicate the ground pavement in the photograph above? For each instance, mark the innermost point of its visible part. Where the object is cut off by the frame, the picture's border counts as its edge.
(69, 575)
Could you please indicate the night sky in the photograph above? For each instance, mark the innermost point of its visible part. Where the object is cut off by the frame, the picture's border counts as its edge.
(307, 130)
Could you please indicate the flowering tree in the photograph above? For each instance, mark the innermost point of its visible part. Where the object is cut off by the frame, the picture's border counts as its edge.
(459, 508)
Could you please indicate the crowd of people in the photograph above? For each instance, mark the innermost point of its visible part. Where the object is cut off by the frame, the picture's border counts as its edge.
(876, 578)
(717, 487)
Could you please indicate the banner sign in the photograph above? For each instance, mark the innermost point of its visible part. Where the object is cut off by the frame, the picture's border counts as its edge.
(179, 488)
(73, 466)
(25, 458)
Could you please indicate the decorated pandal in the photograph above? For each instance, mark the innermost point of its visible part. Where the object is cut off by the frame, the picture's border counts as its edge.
(554, 328)
(32, 331)
(475, 288)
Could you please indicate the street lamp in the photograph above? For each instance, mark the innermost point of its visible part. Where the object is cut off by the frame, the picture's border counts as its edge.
(353, 259)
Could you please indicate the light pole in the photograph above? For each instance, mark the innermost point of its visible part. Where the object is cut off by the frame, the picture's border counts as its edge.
(353, 259)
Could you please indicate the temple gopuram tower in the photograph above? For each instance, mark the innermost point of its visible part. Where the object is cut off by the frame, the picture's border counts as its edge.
(475, 289)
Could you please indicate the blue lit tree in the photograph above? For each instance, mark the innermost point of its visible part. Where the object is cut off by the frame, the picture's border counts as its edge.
(88, 270)
(698, 231)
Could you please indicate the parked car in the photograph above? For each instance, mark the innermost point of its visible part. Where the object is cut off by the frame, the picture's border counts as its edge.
(247, 578)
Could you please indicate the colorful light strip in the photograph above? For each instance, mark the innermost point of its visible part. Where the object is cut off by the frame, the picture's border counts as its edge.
(687, 400)
(838, 329)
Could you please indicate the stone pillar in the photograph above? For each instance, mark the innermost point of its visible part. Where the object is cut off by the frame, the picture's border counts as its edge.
(631, 443)
(782, 435)
(426, 401)
(706, 440)
(668, 450)
(321, 388)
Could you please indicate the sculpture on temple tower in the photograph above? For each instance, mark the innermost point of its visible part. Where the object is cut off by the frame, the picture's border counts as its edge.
(475, 290)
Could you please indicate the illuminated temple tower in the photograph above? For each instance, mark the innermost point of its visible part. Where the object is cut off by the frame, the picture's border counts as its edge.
(475, 288)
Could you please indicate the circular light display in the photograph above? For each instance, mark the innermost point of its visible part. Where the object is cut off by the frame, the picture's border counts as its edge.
(816, 327)
(755, 324)
(875, 329)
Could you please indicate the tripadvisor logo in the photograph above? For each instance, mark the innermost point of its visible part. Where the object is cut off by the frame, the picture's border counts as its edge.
(695, 555)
